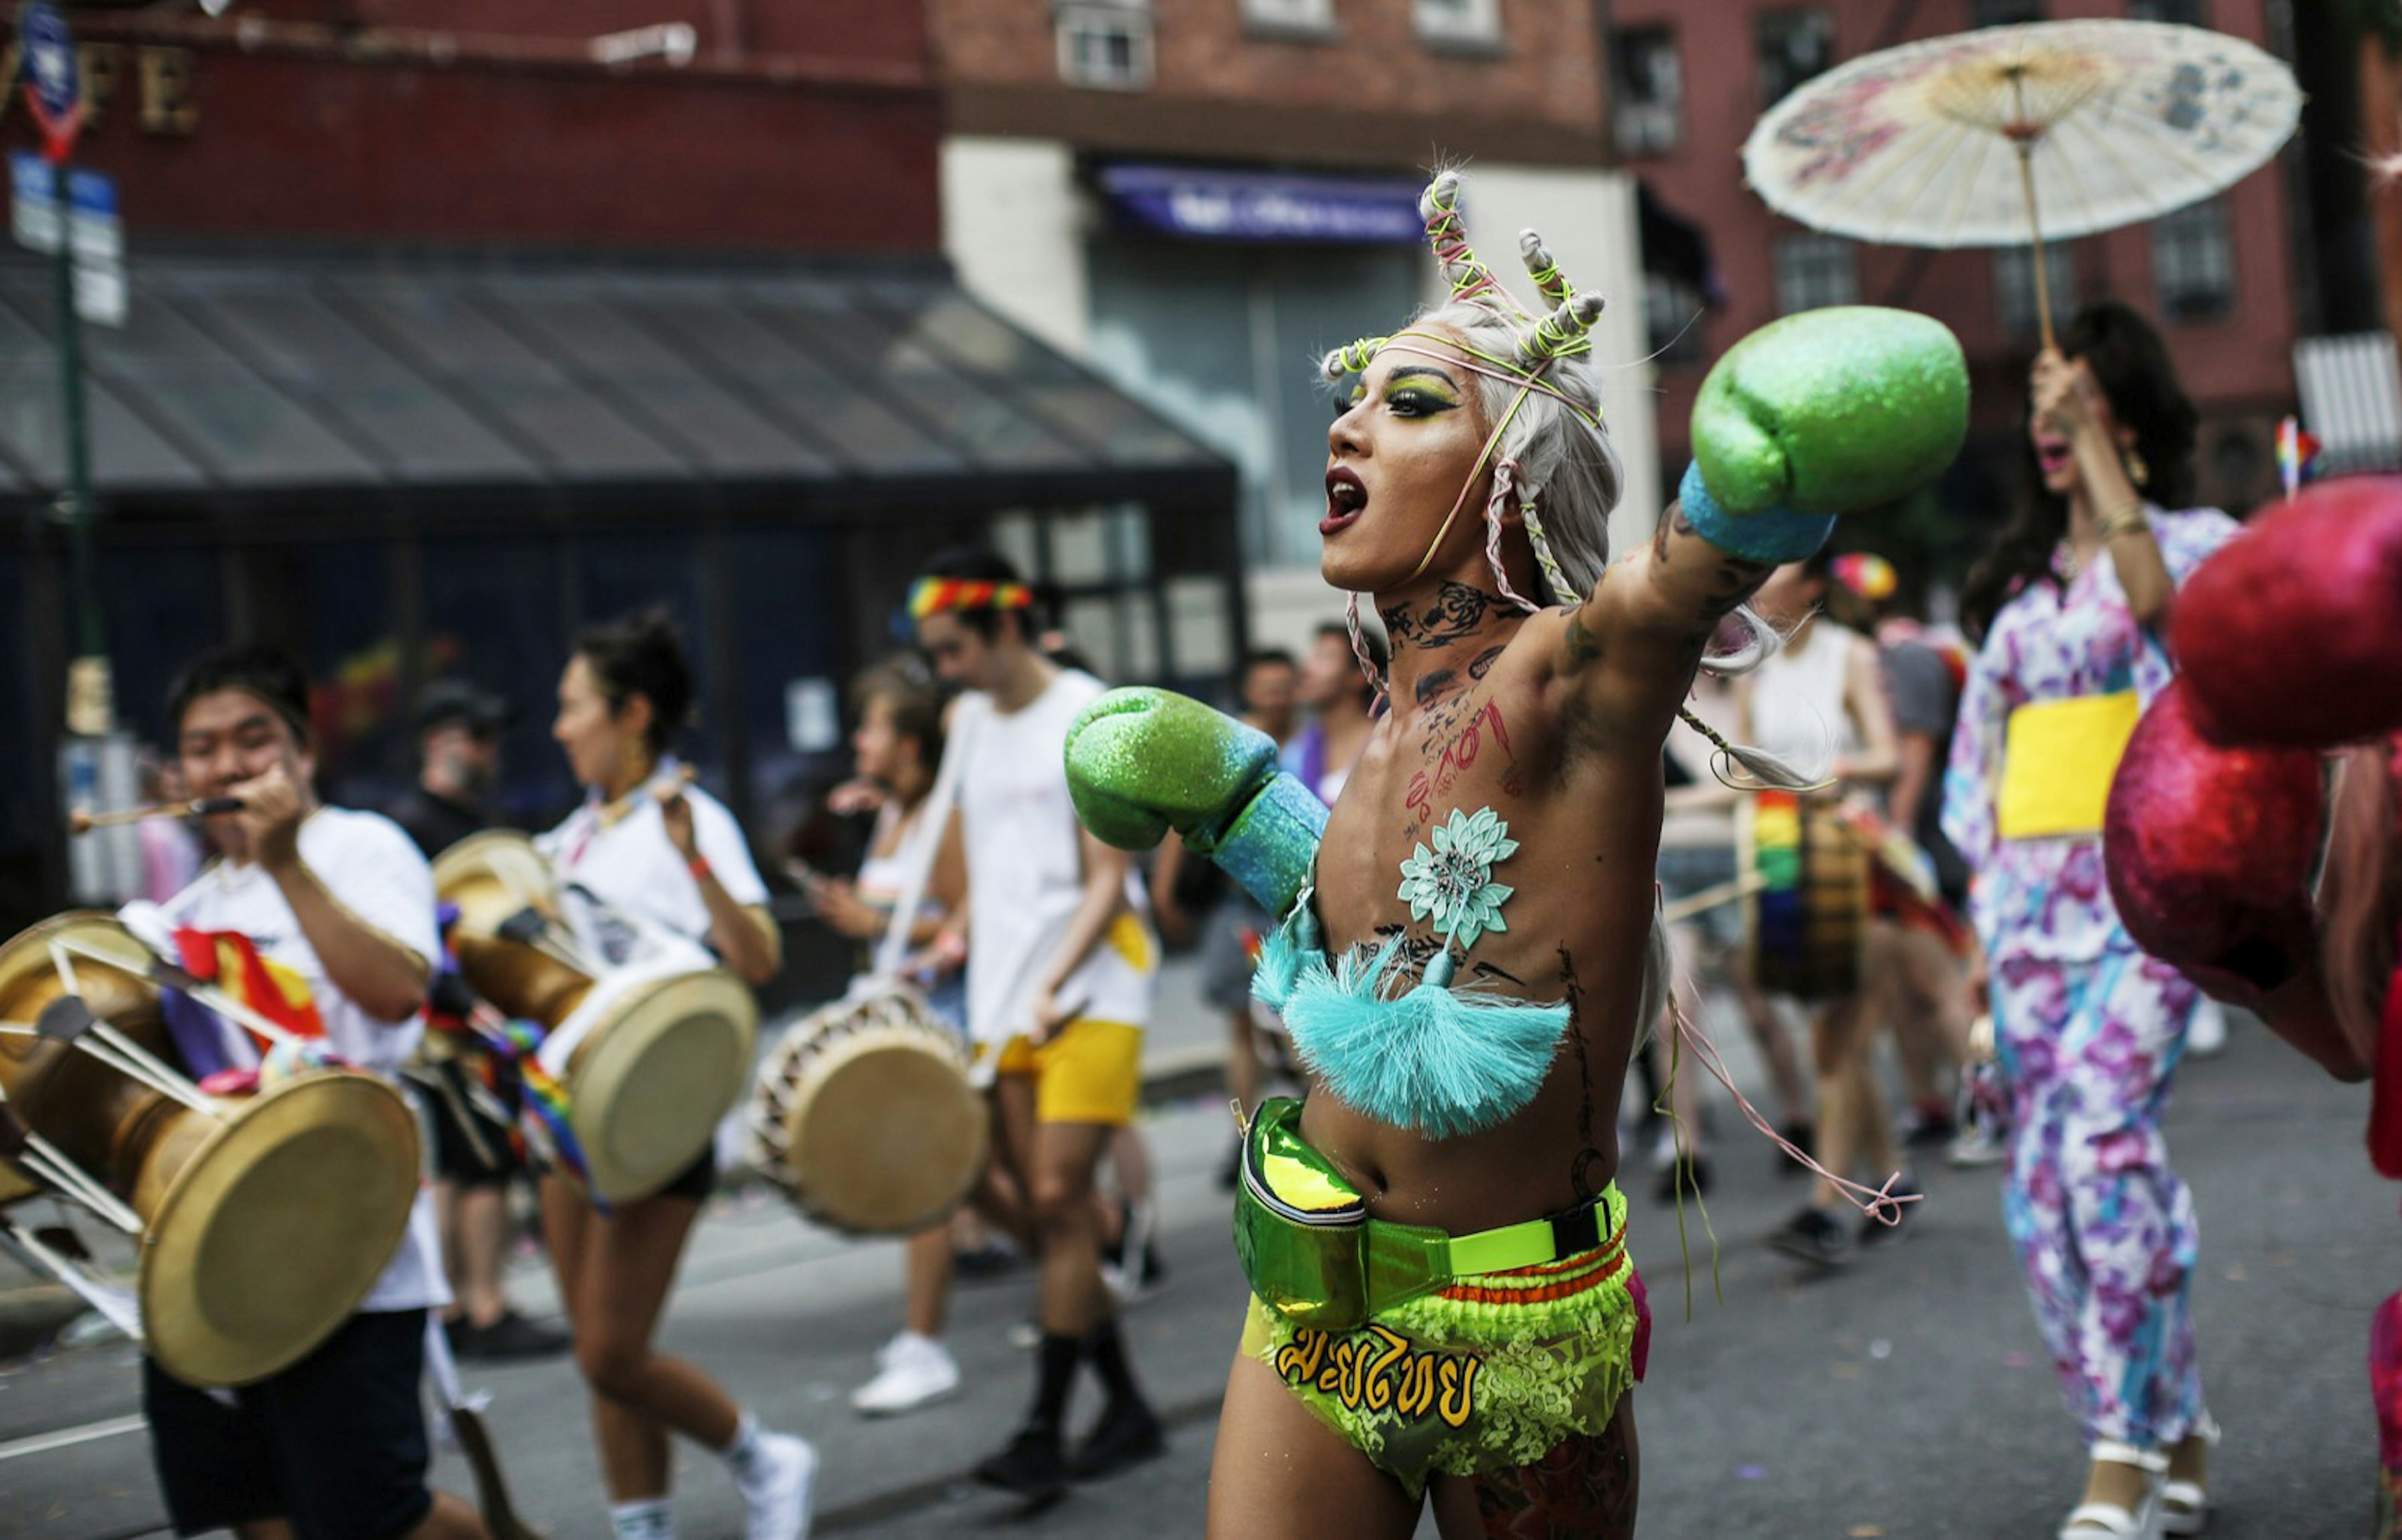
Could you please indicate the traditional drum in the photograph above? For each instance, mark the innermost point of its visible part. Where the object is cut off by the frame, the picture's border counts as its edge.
(651, 1053)
(264, 1220)
(1808, 918)
(864, 1115)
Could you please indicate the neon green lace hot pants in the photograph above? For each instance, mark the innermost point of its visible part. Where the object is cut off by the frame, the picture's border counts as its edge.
(1491, 1373)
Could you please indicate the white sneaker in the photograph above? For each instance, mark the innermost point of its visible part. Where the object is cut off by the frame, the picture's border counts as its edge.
(912, 1372)
(776, 1491)
(1976, 1147)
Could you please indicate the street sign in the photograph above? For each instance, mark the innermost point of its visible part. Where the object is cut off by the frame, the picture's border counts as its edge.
(53, 84)
(93, 230)
(32, 207)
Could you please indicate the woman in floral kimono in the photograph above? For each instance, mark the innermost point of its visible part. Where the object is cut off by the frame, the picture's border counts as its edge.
(2070, 610)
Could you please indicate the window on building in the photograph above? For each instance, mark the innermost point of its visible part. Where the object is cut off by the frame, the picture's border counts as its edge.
(2193, 263)
(1793, 46)
(2014, 297)
(1647, 95)
(1314, 17)
(1673, 319)
(2185, 13)
(1471, 22)
(2003, 13)
(1814, 271)
(1106, 46)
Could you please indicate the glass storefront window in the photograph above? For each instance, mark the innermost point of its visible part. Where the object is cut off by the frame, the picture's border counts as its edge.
(357, 665)
(493, 616)
(1223, 341)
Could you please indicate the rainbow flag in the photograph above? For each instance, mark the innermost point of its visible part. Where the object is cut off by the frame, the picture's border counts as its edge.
(230, 960)
(500, 1047)
(1777, 860)
(2297, 456)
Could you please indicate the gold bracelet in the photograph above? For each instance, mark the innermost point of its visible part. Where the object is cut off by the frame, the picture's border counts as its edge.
(2127, 521)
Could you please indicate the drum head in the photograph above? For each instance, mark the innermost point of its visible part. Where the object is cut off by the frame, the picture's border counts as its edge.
(29, 972)
(492, 875)
(275, 1230)
(884, 1134)
(655, 1075)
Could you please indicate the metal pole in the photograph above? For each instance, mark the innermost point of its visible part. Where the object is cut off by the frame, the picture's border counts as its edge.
(90, 710)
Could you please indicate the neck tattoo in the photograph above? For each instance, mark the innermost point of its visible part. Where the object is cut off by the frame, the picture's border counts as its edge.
(1458, 610)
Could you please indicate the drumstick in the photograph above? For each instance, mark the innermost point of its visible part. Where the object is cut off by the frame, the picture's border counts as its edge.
(1710, 898)
(43, 1159)
(83, 821)
(661, 787)
(491, 1486)
(113, 1304)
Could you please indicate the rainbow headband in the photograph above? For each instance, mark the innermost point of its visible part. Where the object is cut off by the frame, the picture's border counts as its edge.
(935, 596)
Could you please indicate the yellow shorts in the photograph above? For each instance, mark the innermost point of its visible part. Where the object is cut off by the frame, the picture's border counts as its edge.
(1089, 1072)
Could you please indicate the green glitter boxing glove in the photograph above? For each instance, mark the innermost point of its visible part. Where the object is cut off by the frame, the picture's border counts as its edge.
(1141, 761)
(1823, 413)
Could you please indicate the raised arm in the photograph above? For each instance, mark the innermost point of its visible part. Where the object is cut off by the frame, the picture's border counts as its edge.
(1820, 414)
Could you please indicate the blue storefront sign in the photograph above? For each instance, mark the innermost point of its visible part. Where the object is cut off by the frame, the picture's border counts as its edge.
(1229, 205)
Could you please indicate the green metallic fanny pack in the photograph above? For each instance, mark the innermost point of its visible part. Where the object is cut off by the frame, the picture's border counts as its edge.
(1316, 1259)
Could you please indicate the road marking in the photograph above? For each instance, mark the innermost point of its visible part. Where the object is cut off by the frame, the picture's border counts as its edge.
(69, 1437)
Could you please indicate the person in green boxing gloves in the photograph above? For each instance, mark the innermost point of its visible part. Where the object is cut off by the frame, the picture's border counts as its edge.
(1442, 1302)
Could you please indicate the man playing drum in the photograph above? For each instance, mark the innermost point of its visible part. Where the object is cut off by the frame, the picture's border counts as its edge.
(1059, 980)
(333, 1448)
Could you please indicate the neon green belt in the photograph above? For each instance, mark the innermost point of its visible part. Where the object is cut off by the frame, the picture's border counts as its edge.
(1315, 1256)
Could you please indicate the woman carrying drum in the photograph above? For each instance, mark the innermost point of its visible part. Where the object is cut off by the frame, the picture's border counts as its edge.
(2070, 610)
(1822, 690)
(896, 749)
(647, 856)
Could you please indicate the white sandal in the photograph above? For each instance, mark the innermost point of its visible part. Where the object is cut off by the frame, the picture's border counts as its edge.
(2185, 1505)
(2108, 1520)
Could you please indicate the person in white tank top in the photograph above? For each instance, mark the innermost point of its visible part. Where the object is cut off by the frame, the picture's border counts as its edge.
(1820, 701)
(896, 751)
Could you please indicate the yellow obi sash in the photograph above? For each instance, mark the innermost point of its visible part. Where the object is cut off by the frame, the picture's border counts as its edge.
(2057, 762)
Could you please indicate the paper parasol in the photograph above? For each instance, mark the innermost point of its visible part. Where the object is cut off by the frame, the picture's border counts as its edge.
(2009, 134)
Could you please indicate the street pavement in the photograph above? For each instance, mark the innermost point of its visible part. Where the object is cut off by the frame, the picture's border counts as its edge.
(1904, 1396)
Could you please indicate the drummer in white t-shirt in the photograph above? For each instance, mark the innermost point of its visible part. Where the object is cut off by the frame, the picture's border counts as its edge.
(333, 1446)
(631, 861)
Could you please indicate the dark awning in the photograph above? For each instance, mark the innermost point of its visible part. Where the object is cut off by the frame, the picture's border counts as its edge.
(256, 376)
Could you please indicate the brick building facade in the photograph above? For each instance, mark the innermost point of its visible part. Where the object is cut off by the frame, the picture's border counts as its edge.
(454, 326)
(1688, 83)
(451, 122)
(1201, 195)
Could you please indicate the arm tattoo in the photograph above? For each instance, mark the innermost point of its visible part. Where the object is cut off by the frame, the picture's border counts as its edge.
(1579, 1170)
(1732, 579)
(1458, 610)
(1584, 646)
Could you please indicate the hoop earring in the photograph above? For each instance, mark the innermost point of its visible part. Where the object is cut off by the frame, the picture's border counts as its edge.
(2137, 471)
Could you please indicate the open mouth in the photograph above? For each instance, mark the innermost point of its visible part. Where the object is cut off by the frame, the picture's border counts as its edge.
(1346, 499)
(2054, 455)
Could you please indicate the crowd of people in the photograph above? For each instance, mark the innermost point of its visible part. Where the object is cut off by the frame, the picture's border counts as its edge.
(1451, 877)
